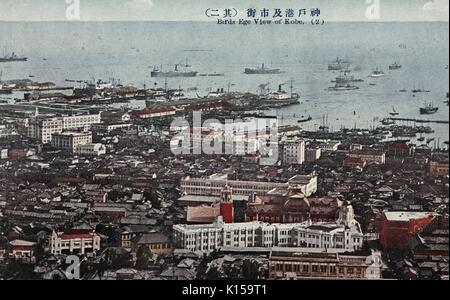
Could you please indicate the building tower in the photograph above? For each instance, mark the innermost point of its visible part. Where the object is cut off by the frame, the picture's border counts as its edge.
(226, 205)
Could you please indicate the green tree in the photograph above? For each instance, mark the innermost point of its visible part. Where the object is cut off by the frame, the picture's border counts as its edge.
(250, 270)
(152, 196)
(143, 257)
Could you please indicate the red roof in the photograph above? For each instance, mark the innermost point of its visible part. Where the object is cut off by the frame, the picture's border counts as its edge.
(353, 160)
(367, 152)
(152, 110)
(76, 234)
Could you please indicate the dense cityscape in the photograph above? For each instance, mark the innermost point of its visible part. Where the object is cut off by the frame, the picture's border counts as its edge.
(105, 184)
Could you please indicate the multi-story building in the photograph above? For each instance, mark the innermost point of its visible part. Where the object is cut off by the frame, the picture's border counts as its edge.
(90, 150)
(153, 112)
(43, 129)
(369, 156)
(396, 228)
(80, 121)
(312, 154)
(325, 265)
(329, 146)
(214, 185)
(439, 169)
(69, 141)
(293, 152)
(344, 235)
(74, 241)
(291, 207)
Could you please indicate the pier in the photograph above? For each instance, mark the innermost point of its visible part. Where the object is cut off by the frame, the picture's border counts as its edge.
(419, 121)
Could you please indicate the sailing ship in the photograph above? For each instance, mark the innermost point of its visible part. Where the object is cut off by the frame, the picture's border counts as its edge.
(394, 112)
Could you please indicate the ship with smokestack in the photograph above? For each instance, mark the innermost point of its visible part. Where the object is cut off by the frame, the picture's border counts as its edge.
(262, 70)
(12, 58)
(177, 72)
(279, 98)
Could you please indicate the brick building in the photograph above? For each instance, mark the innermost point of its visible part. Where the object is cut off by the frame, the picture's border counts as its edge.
(396, 228)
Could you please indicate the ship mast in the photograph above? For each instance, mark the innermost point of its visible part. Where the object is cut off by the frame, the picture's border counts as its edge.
(292, 87)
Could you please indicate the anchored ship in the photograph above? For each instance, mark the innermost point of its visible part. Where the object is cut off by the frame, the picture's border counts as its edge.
(377, 73)
(280, 98)
(395, 66)
(262, 70)
(428, 109)
(304, 120)
(3, 90)
(158, 72)
(338, 65)
(344, 82)
(12, 57)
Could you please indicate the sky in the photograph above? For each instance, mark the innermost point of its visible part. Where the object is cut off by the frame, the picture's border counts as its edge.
(194, 10)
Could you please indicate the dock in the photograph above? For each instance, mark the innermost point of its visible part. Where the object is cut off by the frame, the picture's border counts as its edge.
(419, 121)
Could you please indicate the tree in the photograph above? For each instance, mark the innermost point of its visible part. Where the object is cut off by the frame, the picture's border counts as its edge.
(143, 257)
(152, 196)
(250, 270)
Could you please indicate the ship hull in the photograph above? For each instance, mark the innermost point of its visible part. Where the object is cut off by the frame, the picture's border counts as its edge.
(261, 72)
(342, 89)
(424, 111)
(173, 74)
(3, 60)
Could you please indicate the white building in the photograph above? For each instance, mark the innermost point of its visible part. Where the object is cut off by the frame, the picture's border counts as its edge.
(74, 241)
(214, 185)
(43, 129)
(344, 235)
(71, 140)
(306, 183)
(293, 152)
(90, 150)
(80, 121)
(329, 146)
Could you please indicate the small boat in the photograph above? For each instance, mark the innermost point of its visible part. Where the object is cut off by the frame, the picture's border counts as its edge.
(303, 120)
(377, 73)
(421, 139)
(403, 91)
(395, 66)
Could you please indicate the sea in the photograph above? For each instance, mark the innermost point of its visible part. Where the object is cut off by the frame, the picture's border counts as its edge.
(128, 51)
